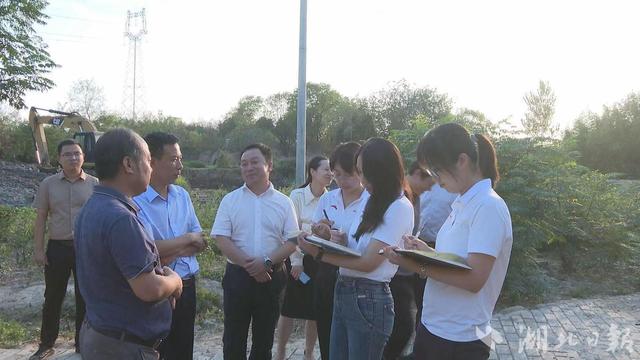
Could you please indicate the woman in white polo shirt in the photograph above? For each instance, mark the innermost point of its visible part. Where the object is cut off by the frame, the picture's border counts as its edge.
(363, 306)
(298, 294)
(336, 209)
(458, 304)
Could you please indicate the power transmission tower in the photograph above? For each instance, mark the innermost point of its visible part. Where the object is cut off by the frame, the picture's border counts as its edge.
(135, 28)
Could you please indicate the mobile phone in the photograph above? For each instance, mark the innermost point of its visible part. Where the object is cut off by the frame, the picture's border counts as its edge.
(304, 278)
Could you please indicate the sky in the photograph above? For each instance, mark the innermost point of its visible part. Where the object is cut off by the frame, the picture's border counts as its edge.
(200, 57)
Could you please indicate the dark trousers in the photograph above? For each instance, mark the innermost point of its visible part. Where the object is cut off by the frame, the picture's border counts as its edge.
(404, 321)
(61, 259)
(248, 302)
(429, 346)
(179, 343)
(418, 291)
(408, 292)
(324, 287)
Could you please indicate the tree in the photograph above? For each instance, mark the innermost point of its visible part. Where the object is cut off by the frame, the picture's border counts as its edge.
(87, 98)
(395, 107)
(23, 57)
(609, 141)
(246, 113)
(541, 105)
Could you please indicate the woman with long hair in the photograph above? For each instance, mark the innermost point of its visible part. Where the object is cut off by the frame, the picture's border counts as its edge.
(458, 304)
(298, 296)
(363, 306)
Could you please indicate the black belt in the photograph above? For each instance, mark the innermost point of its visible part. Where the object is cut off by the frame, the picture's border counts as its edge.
(125, 336)
(68, 243)
(189, 282)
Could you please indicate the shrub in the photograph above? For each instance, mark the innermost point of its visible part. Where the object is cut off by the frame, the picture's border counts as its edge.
(16, 234)
(196, 164)
(561, 209)
(12, 333)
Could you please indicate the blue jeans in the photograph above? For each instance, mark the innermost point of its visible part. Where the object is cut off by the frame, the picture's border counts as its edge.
(362, 319)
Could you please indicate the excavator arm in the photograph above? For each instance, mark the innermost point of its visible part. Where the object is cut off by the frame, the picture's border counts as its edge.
(72, 121)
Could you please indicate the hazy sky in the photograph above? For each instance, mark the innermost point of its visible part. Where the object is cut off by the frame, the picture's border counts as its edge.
(200, 57)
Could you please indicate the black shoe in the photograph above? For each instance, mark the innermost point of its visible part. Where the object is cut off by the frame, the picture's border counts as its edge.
(44, 352)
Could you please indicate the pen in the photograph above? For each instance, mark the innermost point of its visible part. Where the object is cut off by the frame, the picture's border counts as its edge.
(327, 217)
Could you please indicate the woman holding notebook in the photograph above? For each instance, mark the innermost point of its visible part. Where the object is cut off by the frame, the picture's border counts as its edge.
(458, 303)
(336, 209)
(363, 306)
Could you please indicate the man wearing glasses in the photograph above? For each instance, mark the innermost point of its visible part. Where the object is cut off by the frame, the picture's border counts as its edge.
(58, 201)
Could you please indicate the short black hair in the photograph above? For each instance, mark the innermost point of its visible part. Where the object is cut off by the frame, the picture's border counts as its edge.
(345, 156)
(67, 142)
(157, 140)
(114, 146)
(264, 149)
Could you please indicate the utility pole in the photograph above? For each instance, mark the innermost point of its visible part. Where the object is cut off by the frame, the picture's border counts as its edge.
(301, 138)
(134, 35)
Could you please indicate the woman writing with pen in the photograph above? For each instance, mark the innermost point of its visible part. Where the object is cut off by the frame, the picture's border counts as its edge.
(458, 304)
(336, 209)
(363, 306)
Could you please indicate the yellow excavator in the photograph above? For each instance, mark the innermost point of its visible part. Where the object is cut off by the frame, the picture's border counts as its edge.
(85, 133)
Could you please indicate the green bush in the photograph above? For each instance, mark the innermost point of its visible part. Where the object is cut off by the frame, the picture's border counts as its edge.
(226, 160)
(195, 164)
(182, 181)
(562, 210)
(12, 333)
(16, 234)
(208, 305)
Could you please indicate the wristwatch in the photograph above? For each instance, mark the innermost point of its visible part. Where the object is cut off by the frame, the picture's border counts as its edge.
(319, 255)
(268, 263)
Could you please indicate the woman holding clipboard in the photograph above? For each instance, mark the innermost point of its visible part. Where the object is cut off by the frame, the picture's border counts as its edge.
(363, 306)
(336, 210)
(458, 304)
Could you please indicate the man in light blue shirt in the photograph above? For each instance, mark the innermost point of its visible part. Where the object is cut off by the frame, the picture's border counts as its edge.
(169, 218)
(435, 207)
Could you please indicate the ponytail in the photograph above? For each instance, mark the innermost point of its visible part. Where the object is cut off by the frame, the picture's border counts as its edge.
(313, 164)
(487, 160)
(441, 146)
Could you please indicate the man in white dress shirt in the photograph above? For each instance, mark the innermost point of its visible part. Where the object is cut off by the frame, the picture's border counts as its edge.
(250, 228)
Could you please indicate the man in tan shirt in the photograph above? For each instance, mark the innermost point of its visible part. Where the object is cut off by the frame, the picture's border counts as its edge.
(58, 201)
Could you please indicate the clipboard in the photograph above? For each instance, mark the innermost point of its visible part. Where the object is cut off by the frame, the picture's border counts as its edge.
(435, 258)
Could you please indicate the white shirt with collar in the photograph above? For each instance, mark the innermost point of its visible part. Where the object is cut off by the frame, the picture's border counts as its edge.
(342, 217)
(256, 224)
(479, 223)
(304, 203)
(397, 222)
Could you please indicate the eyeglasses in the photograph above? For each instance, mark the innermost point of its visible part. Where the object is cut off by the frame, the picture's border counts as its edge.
(433, 172)
(72, 155)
